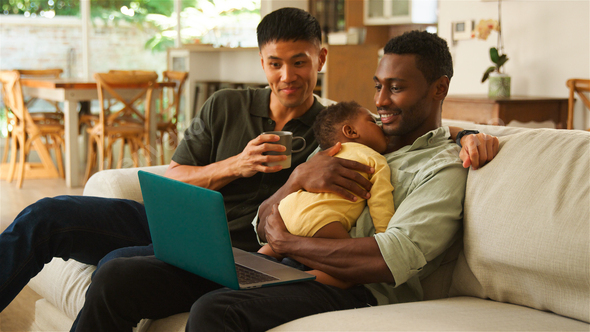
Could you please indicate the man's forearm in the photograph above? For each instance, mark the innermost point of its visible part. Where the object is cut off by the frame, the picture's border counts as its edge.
(214, 176)
(356, 260)
(454, 131)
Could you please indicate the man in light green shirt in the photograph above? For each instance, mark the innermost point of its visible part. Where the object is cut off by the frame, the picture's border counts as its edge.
(411, 82)
(429, 182)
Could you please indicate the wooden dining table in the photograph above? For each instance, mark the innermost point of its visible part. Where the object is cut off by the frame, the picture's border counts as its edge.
(72, 91)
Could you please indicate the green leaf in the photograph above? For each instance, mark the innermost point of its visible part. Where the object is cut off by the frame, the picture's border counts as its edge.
(487, 73)
(501, 61)
(494, 55)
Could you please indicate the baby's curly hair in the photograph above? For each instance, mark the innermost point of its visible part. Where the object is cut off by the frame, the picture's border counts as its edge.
(329, 120)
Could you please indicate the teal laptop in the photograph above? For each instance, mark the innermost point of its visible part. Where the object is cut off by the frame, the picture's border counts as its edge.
(189, 230)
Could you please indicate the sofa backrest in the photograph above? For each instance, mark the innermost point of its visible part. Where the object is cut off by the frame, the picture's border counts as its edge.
(438, 283)
(527, 224)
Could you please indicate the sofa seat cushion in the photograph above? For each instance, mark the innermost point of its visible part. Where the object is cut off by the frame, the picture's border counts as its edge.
(527, 224)
(452, 314)
(50, 318)
(63, 284)
(174, 323)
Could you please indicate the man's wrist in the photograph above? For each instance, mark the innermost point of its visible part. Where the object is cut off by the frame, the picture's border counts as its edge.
(463, 133)
(293, 184)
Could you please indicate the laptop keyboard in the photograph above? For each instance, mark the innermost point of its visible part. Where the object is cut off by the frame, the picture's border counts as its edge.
(248, 276)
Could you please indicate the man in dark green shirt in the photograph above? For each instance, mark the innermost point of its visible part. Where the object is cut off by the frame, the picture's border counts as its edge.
(224, 150)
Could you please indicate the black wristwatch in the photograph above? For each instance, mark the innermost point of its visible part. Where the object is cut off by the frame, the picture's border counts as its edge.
(464, 133)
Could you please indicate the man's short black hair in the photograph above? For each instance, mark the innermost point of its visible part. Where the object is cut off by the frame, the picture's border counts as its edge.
(288, 24)
(329, 121)
(433, 56)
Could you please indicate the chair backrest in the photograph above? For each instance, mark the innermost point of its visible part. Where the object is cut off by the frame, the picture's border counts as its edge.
(579, 86)
(169, 111)
(133, 72)
(40, 73)
(140, 83)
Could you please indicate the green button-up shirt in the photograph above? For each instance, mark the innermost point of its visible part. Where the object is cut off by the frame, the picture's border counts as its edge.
(429, 189)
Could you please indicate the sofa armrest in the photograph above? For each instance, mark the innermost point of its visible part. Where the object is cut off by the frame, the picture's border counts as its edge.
(119, 183)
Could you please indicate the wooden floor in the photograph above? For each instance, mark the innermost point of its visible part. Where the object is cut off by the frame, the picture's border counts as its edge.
(19, 315)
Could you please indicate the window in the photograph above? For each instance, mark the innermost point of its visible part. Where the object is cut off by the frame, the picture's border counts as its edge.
(40, 8)
(122, 35)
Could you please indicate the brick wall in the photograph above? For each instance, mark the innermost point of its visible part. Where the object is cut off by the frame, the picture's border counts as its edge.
(39, 45)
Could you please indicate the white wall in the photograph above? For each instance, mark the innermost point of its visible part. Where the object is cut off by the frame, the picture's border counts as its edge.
(547, 43)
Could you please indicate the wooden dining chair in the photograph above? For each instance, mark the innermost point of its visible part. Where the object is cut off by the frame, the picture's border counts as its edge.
(42, 117)
(169, 104)
(89, 119)
(122, 121)
(581, 87)
(27, 134)
(54, 116)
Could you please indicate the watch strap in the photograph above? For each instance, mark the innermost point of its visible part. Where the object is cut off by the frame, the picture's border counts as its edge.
(464, 133)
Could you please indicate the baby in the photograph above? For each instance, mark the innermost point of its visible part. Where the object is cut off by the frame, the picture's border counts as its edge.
(327, 215)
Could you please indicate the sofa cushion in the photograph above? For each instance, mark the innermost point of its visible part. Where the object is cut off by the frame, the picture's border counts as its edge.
(453, 314)
(50, 318)
(174, 323)
(63, 284)
(527, 224)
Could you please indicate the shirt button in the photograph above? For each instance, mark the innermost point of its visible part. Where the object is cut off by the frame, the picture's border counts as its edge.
(270, 121)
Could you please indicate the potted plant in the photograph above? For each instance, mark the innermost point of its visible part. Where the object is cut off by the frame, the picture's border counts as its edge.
(499, 81)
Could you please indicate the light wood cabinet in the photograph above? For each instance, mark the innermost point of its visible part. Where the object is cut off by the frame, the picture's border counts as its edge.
(349, 73)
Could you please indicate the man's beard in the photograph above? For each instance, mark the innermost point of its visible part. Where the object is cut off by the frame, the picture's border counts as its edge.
(407, 123)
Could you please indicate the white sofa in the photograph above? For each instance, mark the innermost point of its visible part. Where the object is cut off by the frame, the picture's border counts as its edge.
(524, 264)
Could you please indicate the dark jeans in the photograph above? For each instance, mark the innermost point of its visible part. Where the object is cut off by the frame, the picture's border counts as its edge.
(125, 290)
(80, 227)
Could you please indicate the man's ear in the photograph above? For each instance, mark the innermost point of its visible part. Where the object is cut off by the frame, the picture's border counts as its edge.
(349, 132)
(441, 87)
(323, 56)
(261, 60)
